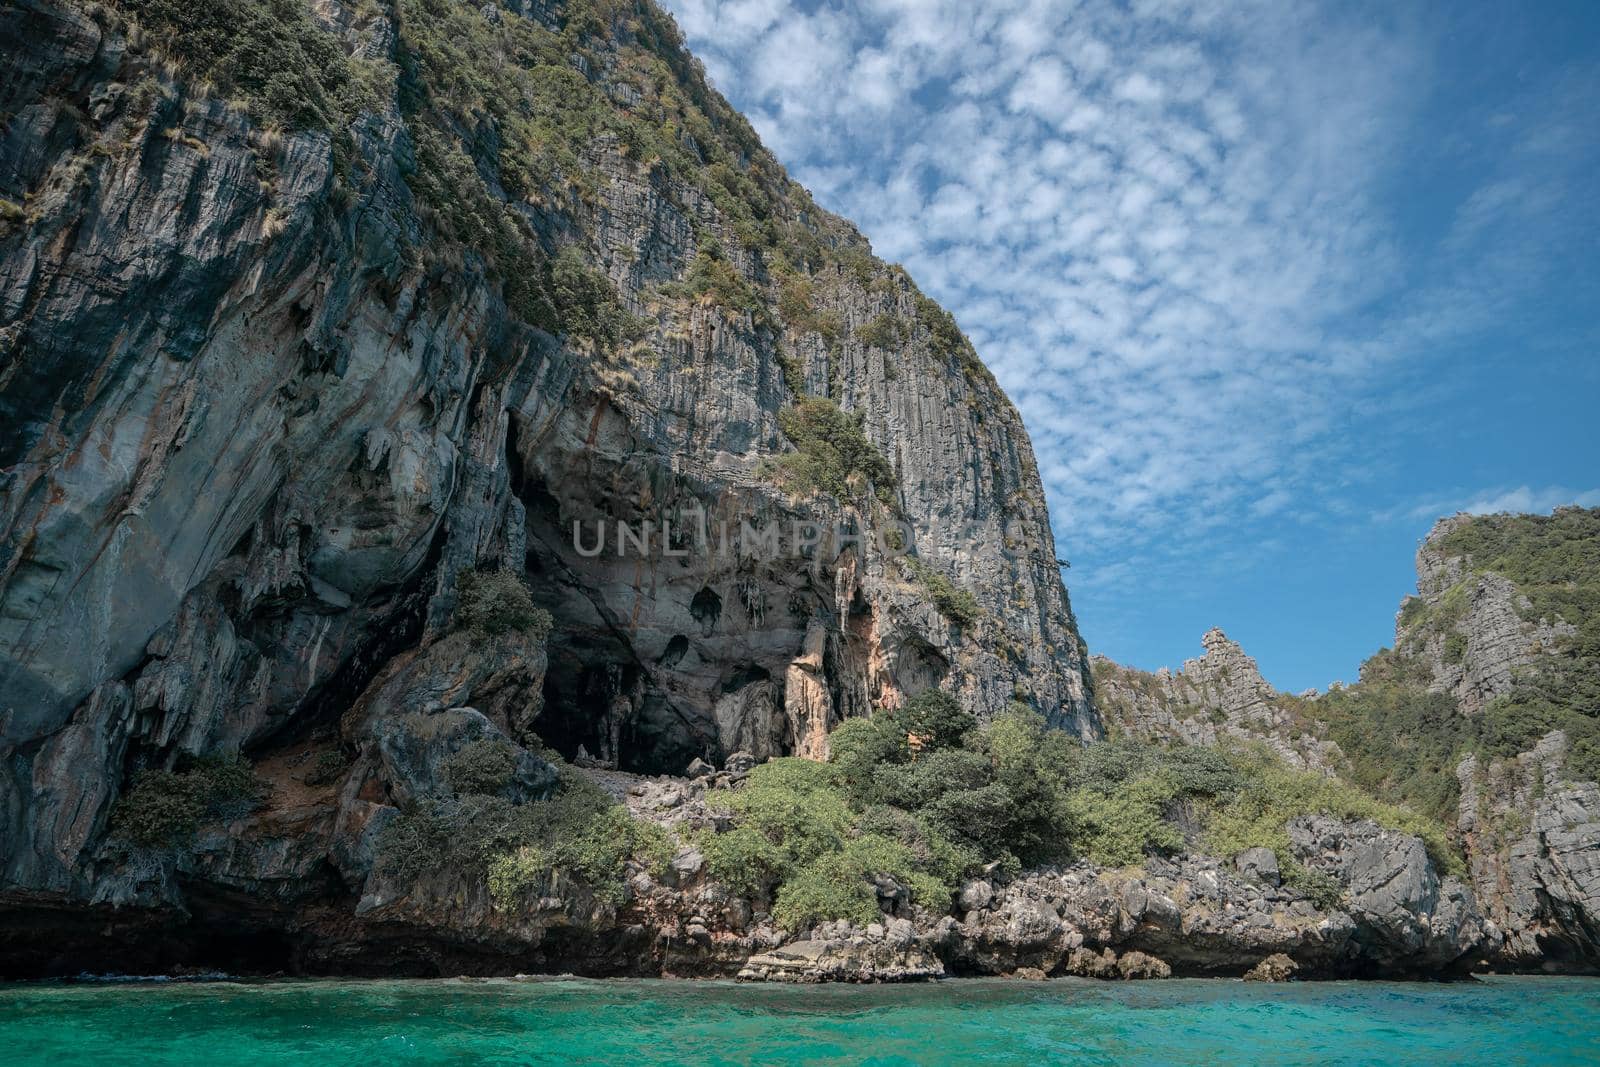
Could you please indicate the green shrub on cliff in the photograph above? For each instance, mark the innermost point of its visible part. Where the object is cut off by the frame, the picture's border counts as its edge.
(481, 767)
(833, 455)
(936, 719)
(881, 332)
(269, 54)
(954, 603)
(915, 795)
(797, 307)
(166, 807)
(491, 603)
(584, 835)
(586, 303)
(328, 767)
(713, 278)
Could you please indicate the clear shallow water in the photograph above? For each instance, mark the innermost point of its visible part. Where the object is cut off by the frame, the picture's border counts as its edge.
(1497, 1021)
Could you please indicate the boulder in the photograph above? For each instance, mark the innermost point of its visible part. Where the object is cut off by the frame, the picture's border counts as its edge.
(1140, 965)
(1275, 968)
(1260, 864)
(412, 751)
(1408, 917)
(740, 763)
(976, 895)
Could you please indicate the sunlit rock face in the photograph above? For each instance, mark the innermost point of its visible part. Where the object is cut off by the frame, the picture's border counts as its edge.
(1218, 698)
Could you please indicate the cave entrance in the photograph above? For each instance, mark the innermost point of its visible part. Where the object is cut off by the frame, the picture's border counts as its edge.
(597, 701)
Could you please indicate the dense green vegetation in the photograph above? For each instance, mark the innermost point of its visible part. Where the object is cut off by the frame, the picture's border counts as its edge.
(1404, 743)
(580, 832)
(881, 332)
(1399, 740)
(481, 768)
(922, 795)
(270, 55)
(490, 603)
(833, 454)
(1555, 562)
(797, 305)
(165, 808)
(711, 277)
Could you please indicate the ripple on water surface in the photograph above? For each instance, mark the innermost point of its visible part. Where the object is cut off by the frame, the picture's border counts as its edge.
(1496, 1021)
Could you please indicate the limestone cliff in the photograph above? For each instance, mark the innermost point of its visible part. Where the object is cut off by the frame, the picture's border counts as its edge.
(1481, 714)
(285, 350)
(1473, 628)
(398, 392)
(1504, 622)
(1219, 698)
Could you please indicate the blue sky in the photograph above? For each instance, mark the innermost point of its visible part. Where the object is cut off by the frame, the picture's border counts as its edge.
(1273, 285)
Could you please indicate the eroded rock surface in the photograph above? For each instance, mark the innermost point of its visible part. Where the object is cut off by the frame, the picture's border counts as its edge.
(255, 430)
(1215, 699)
(1472, 629)
(1535, 855)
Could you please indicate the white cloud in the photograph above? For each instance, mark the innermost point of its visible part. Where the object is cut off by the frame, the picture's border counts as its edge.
(1520, 499)
(1164, 228)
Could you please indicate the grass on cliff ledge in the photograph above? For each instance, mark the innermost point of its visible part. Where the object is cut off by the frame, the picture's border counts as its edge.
(832, 453)
(958, 605)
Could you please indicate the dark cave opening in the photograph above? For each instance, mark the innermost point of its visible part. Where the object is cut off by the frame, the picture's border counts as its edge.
(599, 695)
(609, 709)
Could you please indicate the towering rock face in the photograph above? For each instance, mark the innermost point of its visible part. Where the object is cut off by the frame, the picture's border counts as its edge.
(276, 368)
(1533, 841)
(1473, 630)
(1215, 699)
(1516, 651)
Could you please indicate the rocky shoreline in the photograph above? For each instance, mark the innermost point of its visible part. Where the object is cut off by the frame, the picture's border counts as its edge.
(242, 910)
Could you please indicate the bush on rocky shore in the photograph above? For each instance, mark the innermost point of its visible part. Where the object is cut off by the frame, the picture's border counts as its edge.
(920, 798)
(582, 832)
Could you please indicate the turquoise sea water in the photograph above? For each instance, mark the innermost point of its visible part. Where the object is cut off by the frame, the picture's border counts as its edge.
(1495, 1021)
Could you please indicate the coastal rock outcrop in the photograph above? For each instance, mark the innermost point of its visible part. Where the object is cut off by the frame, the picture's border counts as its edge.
(1198, 916)
(1534, 846)
(1215, 699)
(1469, 645)
(1191, 915)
